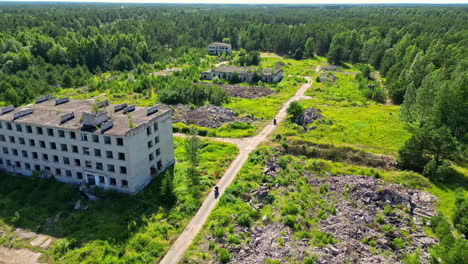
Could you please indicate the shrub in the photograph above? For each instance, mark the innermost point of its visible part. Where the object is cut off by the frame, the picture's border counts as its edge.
(224, 256)
(233, 239)
(386, 228)
(283, 162)
(244, 220)
(323, 188)
(379, 218)
(310, 260)
(388, 210)
(289, 209)
(219, 233)
(397, 244)
(460, 214)
(289, 220)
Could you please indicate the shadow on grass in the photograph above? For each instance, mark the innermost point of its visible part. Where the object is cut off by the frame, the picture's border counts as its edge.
(47, 207)
(452, 181)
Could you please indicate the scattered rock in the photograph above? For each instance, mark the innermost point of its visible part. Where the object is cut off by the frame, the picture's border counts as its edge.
(248, 92)
(309, 116)
(24, 234)
(364, 197)
(330, 68)
(39, 240)
(327, 77)
(206, 116)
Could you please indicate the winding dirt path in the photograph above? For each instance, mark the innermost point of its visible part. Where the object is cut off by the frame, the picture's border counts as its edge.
(246, 145)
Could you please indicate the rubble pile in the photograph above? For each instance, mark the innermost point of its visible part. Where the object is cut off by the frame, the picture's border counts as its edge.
(309, 116)
(271, 241)
(356, 214)
(327, 77)
(330, 68)
(206, 116)
(248, 92)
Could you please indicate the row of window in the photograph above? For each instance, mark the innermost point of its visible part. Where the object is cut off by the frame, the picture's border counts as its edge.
(63, 147)
(65, 160)
(59, 172)
(62, 133)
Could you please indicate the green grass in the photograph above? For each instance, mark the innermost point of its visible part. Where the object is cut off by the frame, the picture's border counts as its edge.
(374, 128)
(118, 228)
(293, 201)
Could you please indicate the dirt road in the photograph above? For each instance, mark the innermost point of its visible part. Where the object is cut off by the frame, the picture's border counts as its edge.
(246, 145)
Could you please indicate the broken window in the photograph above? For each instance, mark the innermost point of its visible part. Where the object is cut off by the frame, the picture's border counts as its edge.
(86, 150)
(124, 183)
(97, 152)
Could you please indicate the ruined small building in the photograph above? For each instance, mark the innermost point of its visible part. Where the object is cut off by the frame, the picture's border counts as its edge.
(116, 147)
(245, 74)
(217, 48)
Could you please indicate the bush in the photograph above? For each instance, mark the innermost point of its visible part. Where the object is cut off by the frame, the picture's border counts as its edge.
(310, 260)
(244, 220)
(289, 220)
(388, 210)
(224, 256)
(323, 188)
(289, 209)
(460, 214)
(379, 218)
(233, 239)
(283, 162)
(397, 244)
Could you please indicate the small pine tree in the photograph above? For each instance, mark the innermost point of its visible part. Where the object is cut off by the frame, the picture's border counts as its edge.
(168, 195)
(192, 153)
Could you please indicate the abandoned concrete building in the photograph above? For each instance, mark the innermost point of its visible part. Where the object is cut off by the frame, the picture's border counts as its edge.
(246, 74)
(118, 147)
(216, 48)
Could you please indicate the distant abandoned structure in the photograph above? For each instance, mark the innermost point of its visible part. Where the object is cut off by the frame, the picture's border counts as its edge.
(245, 74)
(216, 48)
(118, 147)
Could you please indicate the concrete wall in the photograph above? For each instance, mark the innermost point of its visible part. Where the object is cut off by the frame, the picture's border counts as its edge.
(214, 50)
(134, 147)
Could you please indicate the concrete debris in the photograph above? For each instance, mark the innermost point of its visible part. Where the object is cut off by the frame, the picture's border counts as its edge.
(330, 68)
(248, 92)
(206, 116)
(272, 241)
(78, 206)
(328, 77)
(359, 235)
(363, 198)
(309, 116)
(24, 234)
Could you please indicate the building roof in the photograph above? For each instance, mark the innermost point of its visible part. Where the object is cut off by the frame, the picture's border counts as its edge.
(219, 44)
(239, 69)
(48, 114)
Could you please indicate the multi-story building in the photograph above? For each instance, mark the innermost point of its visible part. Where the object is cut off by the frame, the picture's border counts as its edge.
(118, 147)
(245, 74)
(216, 48)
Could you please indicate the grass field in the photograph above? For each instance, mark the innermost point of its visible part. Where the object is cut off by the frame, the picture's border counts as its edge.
(118, 228)
(375, 128)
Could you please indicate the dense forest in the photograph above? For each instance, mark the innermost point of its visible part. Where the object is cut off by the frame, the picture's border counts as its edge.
(420, 52)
